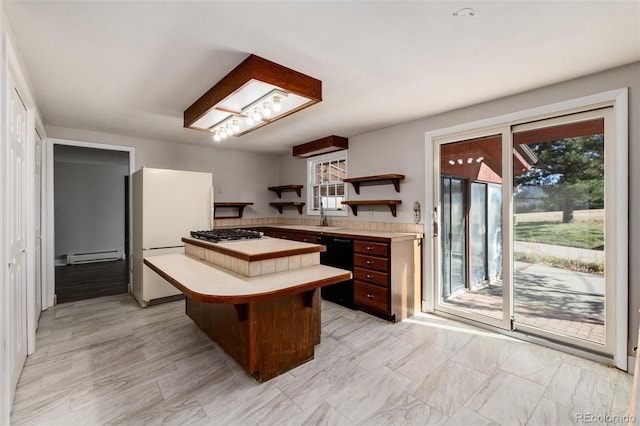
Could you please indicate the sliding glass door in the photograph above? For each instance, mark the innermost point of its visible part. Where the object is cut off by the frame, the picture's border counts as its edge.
(470, 228)
(560, 281)
(523, 212)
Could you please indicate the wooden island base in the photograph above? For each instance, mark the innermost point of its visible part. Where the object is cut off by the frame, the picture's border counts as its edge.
(268, 323)
(266, 338)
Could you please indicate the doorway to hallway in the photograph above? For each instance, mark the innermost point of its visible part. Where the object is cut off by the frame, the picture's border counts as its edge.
(91, 222)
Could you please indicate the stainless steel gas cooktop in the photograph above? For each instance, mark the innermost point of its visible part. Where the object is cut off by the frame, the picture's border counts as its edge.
(217, 235)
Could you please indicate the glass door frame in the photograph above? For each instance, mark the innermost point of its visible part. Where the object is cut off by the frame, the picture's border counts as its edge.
(505, 322)
(618, 267)
(609, 154)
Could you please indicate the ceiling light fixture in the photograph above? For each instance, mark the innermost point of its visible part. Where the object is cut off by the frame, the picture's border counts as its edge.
(276, 104)
(257, 92)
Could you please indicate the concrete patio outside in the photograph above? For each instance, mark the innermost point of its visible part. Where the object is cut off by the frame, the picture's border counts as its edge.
(553, 299)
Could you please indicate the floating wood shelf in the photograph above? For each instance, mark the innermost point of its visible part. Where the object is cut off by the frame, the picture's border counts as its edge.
(278, 189)
(279, 206)
(391, 203)
(240, 205)
(394, 178)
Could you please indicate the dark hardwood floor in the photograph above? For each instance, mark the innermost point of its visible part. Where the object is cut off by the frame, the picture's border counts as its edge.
(91, 280)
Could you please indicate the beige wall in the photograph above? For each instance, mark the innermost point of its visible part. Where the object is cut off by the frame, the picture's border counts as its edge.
(237, 176)
(401, 149)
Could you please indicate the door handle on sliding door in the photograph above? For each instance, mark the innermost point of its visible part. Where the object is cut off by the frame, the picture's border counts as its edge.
(435, 222)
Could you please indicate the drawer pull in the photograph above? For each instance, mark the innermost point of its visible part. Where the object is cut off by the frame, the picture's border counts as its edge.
(370, 262)
(369, 248)
(369, 276)
(370, 296)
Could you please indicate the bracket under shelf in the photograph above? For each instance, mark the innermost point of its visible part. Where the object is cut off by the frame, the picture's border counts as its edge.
(279, 206)
(355, 203)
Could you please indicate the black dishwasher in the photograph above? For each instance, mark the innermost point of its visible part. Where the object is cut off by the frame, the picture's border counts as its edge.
(339, 254)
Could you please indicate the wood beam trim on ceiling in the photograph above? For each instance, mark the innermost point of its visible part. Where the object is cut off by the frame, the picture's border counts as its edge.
(260, 69)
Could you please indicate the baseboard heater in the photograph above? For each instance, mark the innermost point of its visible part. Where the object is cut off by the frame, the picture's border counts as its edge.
(102, 256)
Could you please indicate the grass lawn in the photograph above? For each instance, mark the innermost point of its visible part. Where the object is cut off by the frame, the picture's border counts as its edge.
(585, 235)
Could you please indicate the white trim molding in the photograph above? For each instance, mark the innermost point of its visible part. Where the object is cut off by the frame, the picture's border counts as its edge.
(50, 200)
(311, 161)
(618, 99)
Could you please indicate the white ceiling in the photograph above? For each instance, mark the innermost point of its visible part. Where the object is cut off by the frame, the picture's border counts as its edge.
(132, 68)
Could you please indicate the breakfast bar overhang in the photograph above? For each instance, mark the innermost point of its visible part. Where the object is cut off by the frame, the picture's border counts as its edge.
(269, 323)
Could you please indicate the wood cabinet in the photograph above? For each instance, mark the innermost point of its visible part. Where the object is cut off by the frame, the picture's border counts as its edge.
(290, 235)
(387, 278)
(371, 286)
(377, 263)
(369, 247)
(387, 271)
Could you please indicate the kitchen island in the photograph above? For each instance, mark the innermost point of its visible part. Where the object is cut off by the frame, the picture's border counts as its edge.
(268, 323)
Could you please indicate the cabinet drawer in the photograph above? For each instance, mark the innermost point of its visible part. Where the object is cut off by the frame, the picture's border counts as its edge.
(371, 276)
(379, 249)
(371, 296)
(305, 238)
(371, 262)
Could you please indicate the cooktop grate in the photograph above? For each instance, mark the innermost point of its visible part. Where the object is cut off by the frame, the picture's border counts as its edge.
(217, 235)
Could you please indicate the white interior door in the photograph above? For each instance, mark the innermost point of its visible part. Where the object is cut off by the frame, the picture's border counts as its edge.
(37, 223)
(17, 283)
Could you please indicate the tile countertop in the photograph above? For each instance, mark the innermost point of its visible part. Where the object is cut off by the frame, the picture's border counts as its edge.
(212, 284)
(349, 232)
(257, 249)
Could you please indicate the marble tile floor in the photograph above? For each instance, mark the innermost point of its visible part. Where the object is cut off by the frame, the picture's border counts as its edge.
(107, 361)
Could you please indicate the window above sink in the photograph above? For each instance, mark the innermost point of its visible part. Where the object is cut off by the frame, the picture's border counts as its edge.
(326, 189)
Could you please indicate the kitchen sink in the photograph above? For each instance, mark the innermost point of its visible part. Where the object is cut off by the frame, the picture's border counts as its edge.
(325, 228)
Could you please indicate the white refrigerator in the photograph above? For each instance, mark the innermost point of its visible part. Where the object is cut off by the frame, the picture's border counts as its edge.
(167, 205)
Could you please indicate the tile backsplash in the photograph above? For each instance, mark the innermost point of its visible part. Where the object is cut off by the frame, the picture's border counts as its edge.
(347, 224)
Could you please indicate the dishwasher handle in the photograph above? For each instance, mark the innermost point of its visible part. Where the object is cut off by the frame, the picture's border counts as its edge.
(323, 239)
